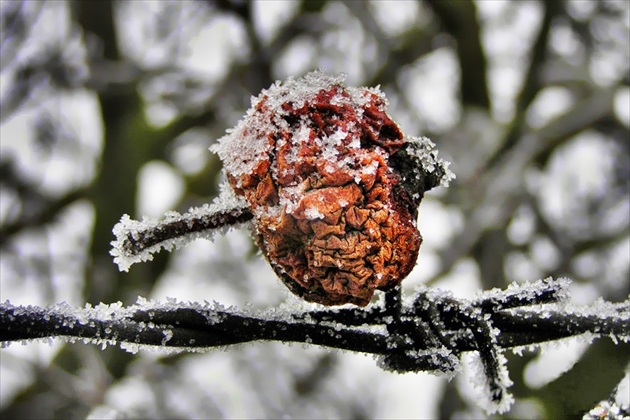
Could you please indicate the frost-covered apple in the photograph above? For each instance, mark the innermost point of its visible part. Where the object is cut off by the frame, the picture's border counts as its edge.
(333, 186)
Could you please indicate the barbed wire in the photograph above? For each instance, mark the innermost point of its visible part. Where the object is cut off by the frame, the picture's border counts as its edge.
(428, 331)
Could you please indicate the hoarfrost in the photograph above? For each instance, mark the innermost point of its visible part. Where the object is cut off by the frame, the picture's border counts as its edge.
(436, 356)
(168, 334)
(607, 410)
(600, 313)
(245, 146)
(530, 292)
(137, 241)
(475, 373)
(617, 406)
(132, 348)
(106, 323)
(423, 150)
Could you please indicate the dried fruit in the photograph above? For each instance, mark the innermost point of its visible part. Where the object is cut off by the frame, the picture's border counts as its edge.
(333, 185)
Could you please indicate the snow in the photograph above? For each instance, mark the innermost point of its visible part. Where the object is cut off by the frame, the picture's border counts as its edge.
(312, 213)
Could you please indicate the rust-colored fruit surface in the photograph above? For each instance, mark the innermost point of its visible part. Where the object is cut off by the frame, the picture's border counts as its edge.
(333, 213)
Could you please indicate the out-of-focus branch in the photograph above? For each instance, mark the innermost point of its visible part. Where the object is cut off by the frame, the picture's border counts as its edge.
(500, 191)
(416, 43)
(532, 84)
(41, 209)
(459, 19)
(15, 29)
(46, 215)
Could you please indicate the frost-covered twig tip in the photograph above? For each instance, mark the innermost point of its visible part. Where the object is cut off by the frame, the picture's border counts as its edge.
(137, 241)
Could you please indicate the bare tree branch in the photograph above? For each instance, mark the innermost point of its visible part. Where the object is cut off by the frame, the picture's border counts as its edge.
(459, 19)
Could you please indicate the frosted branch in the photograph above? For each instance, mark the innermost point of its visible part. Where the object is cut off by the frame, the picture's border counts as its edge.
(137, 241)
(426, 333)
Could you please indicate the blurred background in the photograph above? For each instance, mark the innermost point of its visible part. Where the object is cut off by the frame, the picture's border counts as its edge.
(109, 108)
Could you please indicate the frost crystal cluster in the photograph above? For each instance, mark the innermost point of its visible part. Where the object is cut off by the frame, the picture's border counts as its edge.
(333, 186)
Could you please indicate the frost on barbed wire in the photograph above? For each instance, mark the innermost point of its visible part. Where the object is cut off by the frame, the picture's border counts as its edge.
(488, 365)
(431, 331)
(484, 391)
(543, 290)
(606, 410)
(109, 324)
(617, 407)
